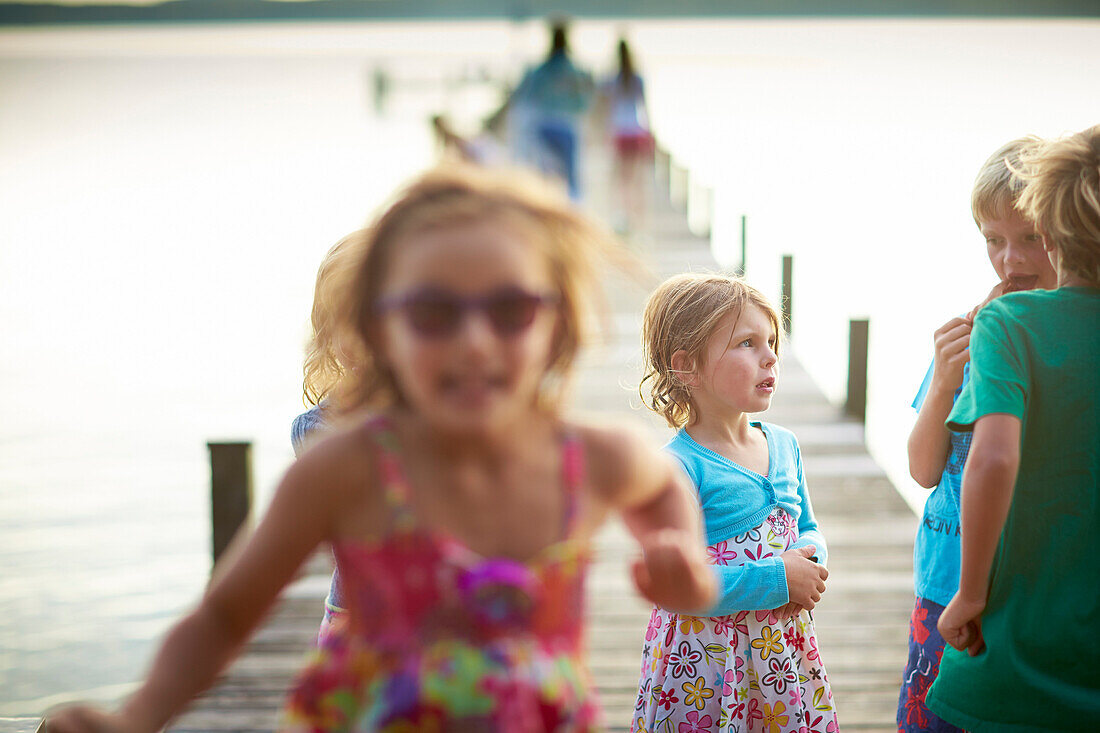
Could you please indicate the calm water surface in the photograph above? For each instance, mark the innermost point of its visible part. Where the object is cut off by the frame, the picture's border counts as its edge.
(168, 193)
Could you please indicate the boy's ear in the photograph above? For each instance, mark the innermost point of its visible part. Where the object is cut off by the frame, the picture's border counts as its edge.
(683, 367)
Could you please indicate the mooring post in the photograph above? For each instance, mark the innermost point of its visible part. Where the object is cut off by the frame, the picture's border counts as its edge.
(785, 298)
(700, 208)
(741, 267)
(678, 183)
(856, 404)
(661, 169)
(230, 491)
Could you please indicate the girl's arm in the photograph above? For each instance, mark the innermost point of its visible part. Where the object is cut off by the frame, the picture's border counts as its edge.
(756, 585)
(929, 441)
(808, 532)
(656, 505)
(988, 482)
(207, 639)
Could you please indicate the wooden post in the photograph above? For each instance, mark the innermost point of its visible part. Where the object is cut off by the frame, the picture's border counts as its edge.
(785, 298)
(230, 491)
(700, 208)
(662, 173)
(856, 405)
(710, 212)
(741, 269)
(678, 186)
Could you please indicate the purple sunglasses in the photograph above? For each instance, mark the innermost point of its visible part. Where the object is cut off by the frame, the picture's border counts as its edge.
(433, 313)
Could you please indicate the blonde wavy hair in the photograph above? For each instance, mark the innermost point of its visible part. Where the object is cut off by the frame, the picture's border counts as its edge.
(1062, 196)
(456, 194)
(682, 314)
(331, 349)
(997, 185)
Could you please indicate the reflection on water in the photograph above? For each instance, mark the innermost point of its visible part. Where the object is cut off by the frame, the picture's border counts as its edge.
(168, 194)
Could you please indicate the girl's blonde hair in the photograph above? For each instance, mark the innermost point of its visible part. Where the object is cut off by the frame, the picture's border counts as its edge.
(1062, 197)
(331, 344)
(681, 315)
(458, 194)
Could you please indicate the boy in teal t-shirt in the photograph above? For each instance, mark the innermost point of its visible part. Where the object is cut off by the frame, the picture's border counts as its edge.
(1024, 621)
(937, 456)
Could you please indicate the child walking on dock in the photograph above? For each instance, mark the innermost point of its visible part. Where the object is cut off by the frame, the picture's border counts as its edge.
(460, 509)
(1023, 622)
(751, 661)
(937, 456)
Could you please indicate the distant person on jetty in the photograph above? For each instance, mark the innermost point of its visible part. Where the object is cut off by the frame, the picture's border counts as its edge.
(751, 660)
(459, 501)
(623, 105)
(1024, 621)
(937, 456)
(332, 355)
(546, 110)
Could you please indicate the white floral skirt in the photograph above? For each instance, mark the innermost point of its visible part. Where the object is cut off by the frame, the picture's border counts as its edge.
(745, 672)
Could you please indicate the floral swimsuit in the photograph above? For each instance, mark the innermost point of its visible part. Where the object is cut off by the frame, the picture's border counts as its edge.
(437, 637)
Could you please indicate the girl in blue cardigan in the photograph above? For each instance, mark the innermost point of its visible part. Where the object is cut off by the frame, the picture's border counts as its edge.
(711, 347)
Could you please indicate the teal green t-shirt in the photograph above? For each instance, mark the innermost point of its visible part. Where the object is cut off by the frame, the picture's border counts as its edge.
(1036, 355)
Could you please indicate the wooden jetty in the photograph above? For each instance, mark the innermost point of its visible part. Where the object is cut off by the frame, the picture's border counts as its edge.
(863, 619)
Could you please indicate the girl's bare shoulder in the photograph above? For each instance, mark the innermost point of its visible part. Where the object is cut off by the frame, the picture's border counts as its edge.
(340, 466)
(620, 457)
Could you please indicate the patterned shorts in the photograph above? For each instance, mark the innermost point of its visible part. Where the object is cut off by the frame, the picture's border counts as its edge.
(925, 650)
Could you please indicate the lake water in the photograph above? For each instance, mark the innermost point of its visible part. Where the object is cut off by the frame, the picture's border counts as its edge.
(167, 194)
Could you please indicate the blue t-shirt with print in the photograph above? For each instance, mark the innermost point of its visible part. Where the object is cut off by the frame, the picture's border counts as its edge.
(936, 550)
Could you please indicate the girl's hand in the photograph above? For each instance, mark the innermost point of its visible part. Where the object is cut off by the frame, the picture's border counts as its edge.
(960, 625)
(952, 340)
(86, 719)
(788, 611)
(673, 572)
(805, 578)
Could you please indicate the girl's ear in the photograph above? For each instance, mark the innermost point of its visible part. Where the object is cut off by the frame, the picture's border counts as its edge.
(683, 368)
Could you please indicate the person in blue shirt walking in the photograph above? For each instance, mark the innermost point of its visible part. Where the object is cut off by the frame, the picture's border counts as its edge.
(936, 455)
(711, 346)
(546, 109)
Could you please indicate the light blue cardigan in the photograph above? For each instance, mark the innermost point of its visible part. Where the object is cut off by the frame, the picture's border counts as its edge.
(734, 500)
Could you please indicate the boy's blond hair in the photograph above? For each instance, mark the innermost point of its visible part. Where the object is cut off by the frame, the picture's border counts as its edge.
(997, 186)
(1062, 197)
(681, 315)
(458, 194)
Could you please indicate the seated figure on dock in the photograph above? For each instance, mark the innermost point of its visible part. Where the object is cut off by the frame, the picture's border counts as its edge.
(711, 346)
(460, 502)
(936, 455)
(1023, 622)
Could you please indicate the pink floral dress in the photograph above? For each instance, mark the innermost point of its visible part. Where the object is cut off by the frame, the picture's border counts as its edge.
(439, 638)
(742, 673)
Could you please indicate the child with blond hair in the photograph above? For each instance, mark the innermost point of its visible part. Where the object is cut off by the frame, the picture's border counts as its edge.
(332, 351)
(936, 455)
(331, 355)
(1023, 622)
(461, 508)
(751, 659)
